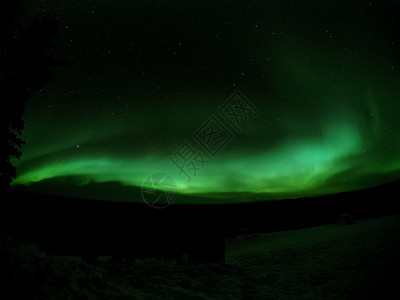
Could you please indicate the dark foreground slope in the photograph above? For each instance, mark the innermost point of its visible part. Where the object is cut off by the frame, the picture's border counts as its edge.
(76, 226)
(359, 261)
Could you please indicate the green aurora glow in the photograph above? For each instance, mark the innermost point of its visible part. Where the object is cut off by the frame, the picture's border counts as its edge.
(328, 114)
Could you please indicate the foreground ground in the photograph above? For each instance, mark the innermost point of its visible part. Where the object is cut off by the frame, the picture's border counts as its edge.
(359, 261)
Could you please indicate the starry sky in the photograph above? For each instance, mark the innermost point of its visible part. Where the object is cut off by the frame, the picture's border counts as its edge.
(146, 82)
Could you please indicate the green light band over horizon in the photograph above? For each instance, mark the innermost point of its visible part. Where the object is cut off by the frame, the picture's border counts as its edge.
(327, 94)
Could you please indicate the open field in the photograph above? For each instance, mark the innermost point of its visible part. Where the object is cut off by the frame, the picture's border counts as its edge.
(359, 261)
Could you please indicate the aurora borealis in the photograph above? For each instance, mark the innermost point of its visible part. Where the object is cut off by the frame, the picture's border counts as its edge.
(141, 77)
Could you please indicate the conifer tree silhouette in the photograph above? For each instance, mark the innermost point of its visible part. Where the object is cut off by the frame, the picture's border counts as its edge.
(26, 59)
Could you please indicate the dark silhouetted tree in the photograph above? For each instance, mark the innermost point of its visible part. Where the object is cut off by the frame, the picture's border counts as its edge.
(26, 59)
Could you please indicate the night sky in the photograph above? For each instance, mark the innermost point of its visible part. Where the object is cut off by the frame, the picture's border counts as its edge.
(142, 78)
